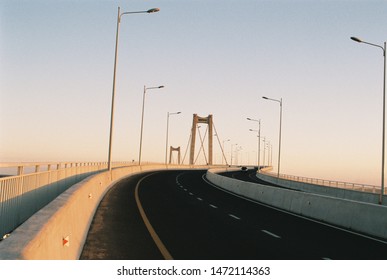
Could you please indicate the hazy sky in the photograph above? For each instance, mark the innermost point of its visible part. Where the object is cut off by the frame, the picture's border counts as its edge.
(213, 57)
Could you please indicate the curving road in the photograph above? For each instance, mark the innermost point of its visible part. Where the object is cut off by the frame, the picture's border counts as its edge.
(179, 215)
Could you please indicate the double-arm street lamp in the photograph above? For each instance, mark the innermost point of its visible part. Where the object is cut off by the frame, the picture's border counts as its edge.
(142, 118)
(154, 10)
(259, 139)
(280, 129)
(166, 142)
(384, 109)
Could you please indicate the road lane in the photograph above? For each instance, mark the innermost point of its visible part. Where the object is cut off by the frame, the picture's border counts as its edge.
(156, 239)
(195, 220)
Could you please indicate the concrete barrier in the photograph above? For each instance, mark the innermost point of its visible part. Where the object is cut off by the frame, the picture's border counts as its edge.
(323, 190)
(58, 231)
(366, 218)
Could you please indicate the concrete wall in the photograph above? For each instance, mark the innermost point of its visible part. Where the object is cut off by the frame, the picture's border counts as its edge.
(59, 230)
(23, 195)
(323, 190)
(361, 217)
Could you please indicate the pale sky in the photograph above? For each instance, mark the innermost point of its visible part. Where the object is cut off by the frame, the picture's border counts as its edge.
(213, 57)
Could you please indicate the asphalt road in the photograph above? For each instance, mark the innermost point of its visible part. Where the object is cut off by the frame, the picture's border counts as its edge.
(187, 218)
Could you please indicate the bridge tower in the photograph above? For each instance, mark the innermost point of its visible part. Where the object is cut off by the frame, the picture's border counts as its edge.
(172, 149)
(205, 120)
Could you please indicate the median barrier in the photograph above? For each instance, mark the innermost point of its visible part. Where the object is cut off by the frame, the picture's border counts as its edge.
(58, 231)
(361, 217)
(323, 190)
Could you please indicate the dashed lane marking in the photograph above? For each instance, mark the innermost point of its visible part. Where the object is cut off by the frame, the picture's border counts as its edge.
(199, 198)
(213, 206)
(235, 217)
(271, 234)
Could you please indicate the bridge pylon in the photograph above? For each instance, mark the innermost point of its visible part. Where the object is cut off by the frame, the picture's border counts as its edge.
(172, 149)
(206, 120)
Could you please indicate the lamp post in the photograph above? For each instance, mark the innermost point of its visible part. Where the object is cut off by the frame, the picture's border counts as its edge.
(264, 151)
(166, 142)
(232, 148)
(258, 144)
(259, 139)
(280, 130)
(237, 156)
(384, 109)
(155, 10)
(268, 153)
(142, 118)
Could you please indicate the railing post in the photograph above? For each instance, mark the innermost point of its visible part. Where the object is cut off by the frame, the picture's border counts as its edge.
(20, 170)
(49, 173)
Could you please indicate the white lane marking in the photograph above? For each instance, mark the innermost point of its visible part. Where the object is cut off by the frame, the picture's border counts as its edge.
(271, 234)
(178, 179)
(213, 206)
(327, 259)
(181, 186)
(190, 193)
(233, 216)
(199, 198)
(185, 190)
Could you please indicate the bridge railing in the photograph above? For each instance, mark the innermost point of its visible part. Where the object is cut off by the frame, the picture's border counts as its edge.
(326, 183)
(23, 194)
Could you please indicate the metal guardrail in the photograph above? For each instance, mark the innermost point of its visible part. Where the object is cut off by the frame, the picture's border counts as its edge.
(20, 168)
(24, 194)
(327, 183)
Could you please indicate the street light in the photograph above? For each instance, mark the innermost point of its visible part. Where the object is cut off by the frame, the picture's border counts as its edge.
(238, 149)
(232, 148)
(280, 129)
(268, 153)
(384, 109)
(154, 10)
(259, 139)
(142, 118)
(264, 151)
(166, 145)
(259, 146)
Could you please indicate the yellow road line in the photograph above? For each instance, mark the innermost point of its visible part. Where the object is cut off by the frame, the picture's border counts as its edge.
(155, 237)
